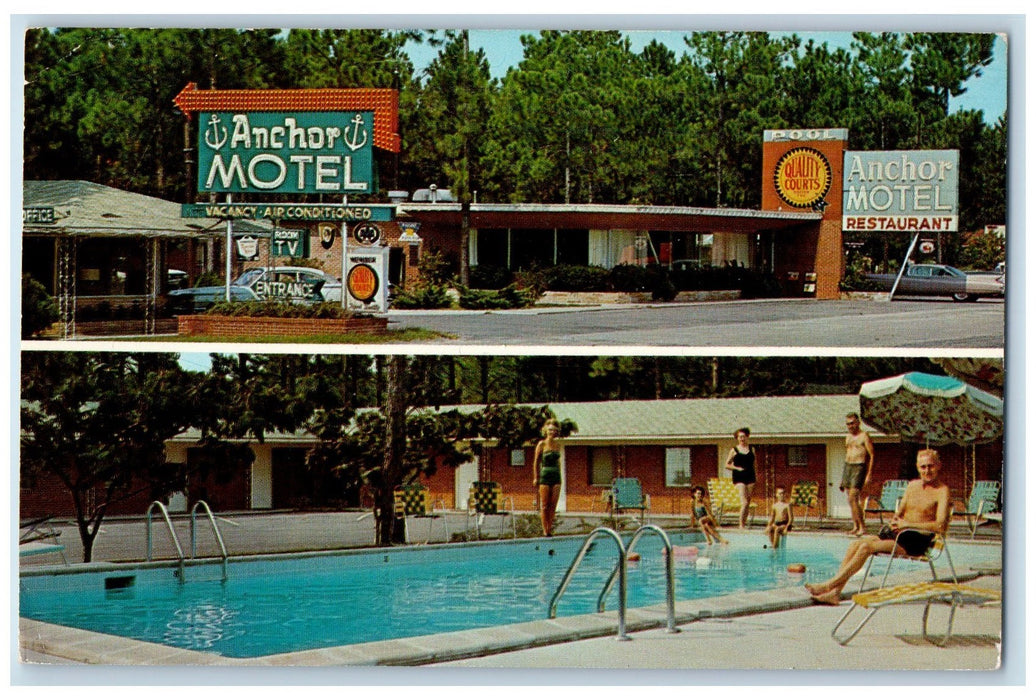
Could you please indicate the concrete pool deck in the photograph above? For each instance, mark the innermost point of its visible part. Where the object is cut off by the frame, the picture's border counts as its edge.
(777, 629)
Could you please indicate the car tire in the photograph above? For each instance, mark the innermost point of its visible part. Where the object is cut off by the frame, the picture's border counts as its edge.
(965, 297)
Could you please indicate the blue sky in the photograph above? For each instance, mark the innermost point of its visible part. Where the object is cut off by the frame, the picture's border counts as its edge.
(504, 49)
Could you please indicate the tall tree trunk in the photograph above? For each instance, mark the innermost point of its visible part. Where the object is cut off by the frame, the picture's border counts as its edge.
(395, 443)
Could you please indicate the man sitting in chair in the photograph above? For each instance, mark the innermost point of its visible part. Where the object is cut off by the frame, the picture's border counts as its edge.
(925, 507)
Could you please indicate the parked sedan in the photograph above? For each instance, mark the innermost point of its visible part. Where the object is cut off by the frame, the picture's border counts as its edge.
(299, 285)
(942, 280)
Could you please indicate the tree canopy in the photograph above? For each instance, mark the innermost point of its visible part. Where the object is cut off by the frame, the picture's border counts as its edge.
(581, 118)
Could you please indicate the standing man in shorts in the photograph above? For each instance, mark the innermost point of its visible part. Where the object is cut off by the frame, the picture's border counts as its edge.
(859, 460)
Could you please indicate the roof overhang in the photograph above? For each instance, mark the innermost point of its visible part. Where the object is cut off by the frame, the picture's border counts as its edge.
(607, 216)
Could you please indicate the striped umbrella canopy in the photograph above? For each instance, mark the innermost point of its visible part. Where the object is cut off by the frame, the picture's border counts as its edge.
(932, 410)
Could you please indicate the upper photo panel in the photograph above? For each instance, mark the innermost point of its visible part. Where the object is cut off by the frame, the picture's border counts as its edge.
(500, 187)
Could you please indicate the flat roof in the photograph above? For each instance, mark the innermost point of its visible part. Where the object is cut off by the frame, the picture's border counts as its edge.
(607, 216)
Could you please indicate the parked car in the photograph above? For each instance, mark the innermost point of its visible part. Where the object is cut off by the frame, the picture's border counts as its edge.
(942, 280)
(299, 285)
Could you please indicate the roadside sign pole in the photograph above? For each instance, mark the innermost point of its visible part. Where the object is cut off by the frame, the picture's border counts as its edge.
(230, 243)
(345, 254)
(902, 269)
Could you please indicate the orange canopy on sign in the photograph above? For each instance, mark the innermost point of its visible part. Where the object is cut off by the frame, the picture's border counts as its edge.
(384, 102)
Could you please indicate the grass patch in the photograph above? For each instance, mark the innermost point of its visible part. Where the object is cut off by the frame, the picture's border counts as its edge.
(409, 335)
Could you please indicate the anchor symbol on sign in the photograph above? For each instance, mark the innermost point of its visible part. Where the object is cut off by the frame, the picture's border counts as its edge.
(355, 144)
(213, 138)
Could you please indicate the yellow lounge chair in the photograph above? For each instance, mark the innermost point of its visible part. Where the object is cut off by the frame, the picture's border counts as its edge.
(953, 594)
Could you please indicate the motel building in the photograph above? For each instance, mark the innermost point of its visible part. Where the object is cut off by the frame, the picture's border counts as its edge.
(91, 245)
(669, 445)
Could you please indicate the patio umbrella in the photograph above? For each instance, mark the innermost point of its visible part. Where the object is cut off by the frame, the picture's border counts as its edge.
(931, 409)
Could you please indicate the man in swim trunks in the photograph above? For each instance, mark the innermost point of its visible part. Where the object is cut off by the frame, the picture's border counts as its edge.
(923, 512)
(859, 459)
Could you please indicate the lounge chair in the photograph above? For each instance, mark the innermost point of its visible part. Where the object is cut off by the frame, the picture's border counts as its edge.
(37, 537)
(806, 494)
(412, 501)
(485, 498)
(929, 592)
(981, 504)
(888, 501)
(722, 495)
(626, 494)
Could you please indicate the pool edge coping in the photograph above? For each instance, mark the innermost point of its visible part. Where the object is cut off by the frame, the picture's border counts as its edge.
(80, 646)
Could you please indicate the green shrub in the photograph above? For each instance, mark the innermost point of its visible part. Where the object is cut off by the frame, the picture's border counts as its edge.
(208, 279)
(630, 278)
(489, 277)
(423, 296)
(279, 309)
(576, 278)
(510, 297)
(39, 310)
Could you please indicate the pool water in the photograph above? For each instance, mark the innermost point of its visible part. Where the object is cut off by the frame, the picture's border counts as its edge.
(277, 605)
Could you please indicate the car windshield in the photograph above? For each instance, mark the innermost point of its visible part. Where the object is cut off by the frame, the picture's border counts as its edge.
(248, 277)
(954, 271)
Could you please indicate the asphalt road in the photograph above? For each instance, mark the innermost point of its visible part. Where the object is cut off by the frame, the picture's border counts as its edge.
(771, 324)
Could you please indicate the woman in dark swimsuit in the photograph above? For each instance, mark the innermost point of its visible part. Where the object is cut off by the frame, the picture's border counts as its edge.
(546, 474)
(741, 464)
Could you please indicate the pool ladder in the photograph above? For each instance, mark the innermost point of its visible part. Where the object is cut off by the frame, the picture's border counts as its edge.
(620, 573)
(176, 540)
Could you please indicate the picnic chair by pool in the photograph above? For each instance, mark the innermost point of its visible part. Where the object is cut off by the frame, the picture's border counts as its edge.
(888, 501)
(412, 501)
(806, 495)
(981, 504)
(37, 537)
(486, 498)
(626, 494)
(723, 495)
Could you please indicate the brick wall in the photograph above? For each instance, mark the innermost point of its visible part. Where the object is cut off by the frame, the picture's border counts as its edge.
(256, 327)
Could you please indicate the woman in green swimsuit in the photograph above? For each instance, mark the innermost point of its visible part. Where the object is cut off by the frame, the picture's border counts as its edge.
(546, 474)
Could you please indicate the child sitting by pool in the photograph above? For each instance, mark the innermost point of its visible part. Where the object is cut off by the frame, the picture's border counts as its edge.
(701, 516)
(781, 519)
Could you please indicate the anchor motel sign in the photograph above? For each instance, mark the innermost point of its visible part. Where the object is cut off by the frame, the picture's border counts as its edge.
(296, 152)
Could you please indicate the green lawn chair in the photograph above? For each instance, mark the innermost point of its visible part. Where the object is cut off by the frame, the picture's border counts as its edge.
(627, 495)
(888, 501)
(981, 503)
(806, 495)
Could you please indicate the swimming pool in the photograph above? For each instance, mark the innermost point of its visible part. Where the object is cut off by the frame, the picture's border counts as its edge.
(272, 605)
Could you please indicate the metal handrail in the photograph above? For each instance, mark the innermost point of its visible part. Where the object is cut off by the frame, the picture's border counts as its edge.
(552, 611)
(215, 532)
(172, 533)
(670, 582)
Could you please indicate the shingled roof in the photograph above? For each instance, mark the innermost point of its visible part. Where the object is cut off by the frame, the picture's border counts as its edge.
(84, 208)
(766, 416)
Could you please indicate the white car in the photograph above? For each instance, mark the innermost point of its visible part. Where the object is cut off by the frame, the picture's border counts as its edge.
(927, 279)
(299, 285)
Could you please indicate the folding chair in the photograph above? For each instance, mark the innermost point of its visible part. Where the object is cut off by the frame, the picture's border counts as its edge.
(485, 498)
(981, 504)
(37, 537)
(412, 501)
(626, 494)
(806, 494)
(888, 501)
(722, 495)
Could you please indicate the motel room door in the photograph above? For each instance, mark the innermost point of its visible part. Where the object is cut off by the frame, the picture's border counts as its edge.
(465, 475)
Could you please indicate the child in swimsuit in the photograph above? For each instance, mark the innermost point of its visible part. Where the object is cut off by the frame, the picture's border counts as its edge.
(781, 519)
(702, 517)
